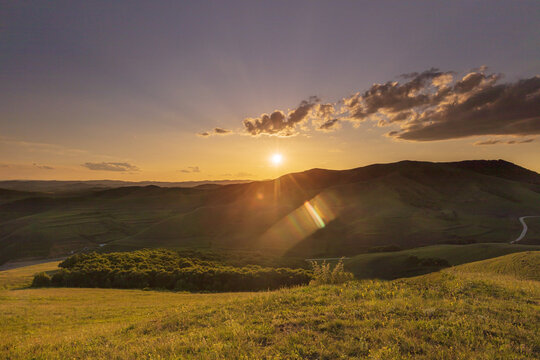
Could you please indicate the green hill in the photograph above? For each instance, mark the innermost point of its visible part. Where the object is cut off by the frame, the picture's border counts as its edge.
(313, 213)
(398, 264)
(523, 265)
(22, 276)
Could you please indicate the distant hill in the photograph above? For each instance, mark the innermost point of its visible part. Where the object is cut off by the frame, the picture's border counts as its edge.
(57, 186)
(312, 213)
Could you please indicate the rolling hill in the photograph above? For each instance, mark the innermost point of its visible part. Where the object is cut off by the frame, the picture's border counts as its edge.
(312, 213)
(407, 263)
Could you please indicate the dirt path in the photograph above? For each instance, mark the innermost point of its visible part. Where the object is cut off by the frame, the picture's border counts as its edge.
(524, 231)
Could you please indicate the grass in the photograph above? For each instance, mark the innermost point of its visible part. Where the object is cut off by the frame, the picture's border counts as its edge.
(22, 277)
(525, 265)
(392, 265)
(457, 313)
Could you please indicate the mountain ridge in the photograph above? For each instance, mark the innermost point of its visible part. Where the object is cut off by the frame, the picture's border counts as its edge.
(314, 212)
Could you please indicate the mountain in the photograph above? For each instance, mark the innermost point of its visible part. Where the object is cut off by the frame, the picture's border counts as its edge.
(57, 186)
(312, 213)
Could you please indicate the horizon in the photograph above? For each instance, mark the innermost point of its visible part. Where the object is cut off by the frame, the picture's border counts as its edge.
(268, 179)
(185, 91)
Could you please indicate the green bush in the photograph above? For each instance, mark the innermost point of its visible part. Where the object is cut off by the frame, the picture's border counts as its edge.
(165, 269)
(324, 274)
(41, 280)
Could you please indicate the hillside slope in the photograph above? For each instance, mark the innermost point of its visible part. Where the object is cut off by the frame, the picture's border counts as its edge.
(407, 263)
(316, 212)
(523, 265)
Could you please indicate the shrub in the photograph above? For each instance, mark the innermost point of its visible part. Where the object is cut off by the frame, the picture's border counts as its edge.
(165, 269)
(41, 280)
(324, 274)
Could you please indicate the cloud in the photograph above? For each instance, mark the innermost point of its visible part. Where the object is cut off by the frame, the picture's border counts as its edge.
(325, 117)
(191, 169)
(110, 166)
(506, 142)
(433, 106)
(422, 106)
(394, 102)
(44, 167)
(216, 131)
(221, 131)
(280, 123)
(329, 125)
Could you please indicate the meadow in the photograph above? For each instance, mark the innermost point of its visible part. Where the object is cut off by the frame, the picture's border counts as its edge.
(460, 312)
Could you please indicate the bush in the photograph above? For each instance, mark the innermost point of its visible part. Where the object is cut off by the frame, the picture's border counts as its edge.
(165, 269)
(324, 274)
(41, 280)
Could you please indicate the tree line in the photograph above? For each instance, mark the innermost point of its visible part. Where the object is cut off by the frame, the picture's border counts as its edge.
(166, 269)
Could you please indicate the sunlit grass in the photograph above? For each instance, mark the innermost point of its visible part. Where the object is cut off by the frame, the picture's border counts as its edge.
(451, 314)
(22, 277)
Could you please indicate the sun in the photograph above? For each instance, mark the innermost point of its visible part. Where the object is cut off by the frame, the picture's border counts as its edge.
(276, 159)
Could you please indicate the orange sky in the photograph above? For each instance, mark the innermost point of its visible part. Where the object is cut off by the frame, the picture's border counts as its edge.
(162, 157)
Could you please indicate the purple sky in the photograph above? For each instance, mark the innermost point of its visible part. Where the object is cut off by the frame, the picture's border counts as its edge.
(82, 76)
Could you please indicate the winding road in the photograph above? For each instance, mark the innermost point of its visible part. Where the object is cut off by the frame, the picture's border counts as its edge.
(524, 231)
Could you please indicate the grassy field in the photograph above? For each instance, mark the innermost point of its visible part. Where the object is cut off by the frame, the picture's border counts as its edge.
(22, 277)
(458, 313)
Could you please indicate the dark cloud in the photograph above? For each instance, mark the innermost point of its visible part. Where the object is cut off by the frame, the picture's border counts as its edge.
(394, 102)
(486, 108)
(432, 106)
(488, 142)
(191, 169)
(110, 166)
(216, 131)
(500, 141)
(221, 131)
(43, 167)
(329, 125)
(279, 123)
(424, 106)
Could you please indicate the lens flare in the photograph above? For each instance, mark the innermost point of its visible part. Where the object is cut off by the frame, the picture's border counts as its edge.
(311, 216)
(314, 215)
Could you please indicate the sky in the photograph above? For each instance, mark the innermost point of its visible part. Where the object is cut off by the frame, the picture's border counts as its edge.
(193, 90)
